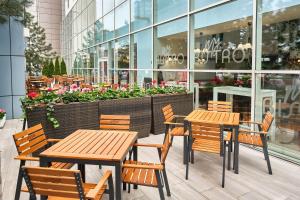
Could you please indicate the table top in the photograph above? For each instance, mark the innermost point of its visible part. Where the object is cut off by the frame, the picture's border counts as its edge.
(93, 145)
(224, 118)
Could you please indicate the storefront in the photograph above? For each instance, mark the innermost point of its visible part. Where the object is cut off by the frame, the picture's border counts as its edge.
(243, 51)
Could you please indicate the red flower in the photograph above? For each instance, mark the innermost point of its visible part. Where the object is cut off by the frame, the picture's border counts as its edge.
(126, 85)
(162, 83)
(49, 89)
(33, 95)
(154, 82)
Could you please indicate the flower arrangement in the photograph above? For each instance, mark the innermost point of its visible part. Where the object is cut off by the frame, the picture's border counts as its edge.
(74, 93)
(2, 113)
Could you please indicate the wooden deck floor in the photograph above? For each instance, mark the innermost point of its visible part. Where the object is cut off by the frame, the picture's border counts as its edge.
(253, 182)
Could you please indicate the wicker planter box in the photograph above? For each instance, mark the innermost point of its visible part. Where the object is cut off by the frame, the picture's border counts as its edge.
(181, 103)
(139, 110)
(71, 117)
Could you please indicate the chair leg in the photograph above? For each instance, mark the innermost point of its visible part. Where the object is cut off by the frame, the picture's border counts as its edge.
(266, 154)
(111, 188)
(128, 188)
(159, 185)
(166, 182)
(19, 181)
(229, 154)
(224, 161)
(192, 156)
(172, 137)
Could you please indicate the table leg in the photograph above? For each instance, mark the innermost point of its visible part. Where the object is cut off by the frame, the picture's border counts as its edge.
(135, 157)
(118, 181)
(236, 150)
(185, 143)
(81, 167)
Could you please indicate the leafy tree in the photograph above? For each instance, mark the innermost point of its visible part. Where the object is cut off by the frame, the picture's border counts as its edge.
(57, 67)
(45, 70)
(51, 69)
(63, 67)
(37, 50)
(13, 8)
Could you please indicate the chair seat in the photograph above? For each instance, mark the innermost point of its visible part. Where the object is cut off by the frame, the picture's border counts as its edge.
(179, 131)
(246, 138)
(87, 187)
(139, 176)
(60, 165)
(207, 145)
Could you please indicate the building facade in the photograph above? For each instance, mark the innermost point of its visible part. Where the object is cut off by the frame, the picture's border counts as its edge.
(244, 51)
(48, 14)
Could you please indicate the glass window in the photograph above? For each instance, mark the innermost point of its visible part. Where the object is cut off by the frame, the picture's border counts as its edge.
(98, 31)
(123, 77)
(141, 50)
(143, 78)
(164, 10)
(84, 20)
(106, 63)
(278, 35)
(108, 5)
(108, 26)
(170, 45)
(122, 19)
(122, 53)
(117, 2)
(171, 77)
(223, 41)
(202, 3)
(140, 14)
(98, 9)
(279, 94)
(91, 13)
(88, 38)
(235, 88)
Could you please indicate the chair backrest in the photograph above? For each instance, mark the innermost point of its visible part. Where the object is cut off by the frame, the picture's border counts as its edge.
(168, 113)
(219, 106)
(54, 182)
(266, 123)
(165, 149)
(115, 122)
(30, 140)
(209, 133)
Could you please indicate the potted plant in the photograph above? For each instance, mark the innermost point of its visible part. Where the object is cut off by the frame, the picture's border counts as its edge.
(2, 117)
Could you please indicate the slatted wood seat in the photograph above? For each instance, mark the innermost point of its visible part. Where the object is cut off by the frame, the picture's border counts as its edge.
(149, 174)
(29, 142)
(62, 184)
(174, 126)
(206, 137)
(219, 106)
(256, 138)
(115, 122)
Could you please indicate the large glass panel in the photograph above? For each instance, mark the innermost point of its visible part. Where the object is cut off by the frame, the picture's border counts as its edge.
(98, 9)
(223, 41)
(122, 19)
(108, 26)
(91, 13)
(122, 53)
(108, 5)
(117, 2)
(280, 94)
(164, 10)
(98, 31)
(235, 88)
(140, 14)
(278, 35)
(105, 63)
(143, 77)
(171, 78)
(84, 20)
(170, 45)
(88, 37)
(123, 77)
(202, 3)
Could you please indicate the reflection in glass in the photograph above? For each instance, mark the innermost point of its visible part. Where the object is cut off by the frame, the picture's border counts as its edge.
(202, 3)
(223, 41)
(117, 2)
(143, 78)
(140, 14)
(123, 77)
(98, 31)
(283, 102)
(164, 10)
(122, 53)
(105, 64)
(279, 35)
(88, 38)
(98, 9)
(108, 26)
(122, 19)
(170, 47)
(108, 5)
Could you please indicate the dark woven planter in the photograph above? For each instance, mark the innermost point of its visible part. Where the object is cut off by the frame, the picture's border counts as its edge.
(182, 105)
(139, 110)
(71, 117)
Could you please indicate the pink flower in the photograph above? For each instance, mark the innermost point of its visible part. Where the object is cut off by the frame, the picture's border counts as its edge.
(33, 95)
(154, 82)
(124, 89)
(2, 111)
(73, 87)
(49, 89)
(61, 91)
(85, 90)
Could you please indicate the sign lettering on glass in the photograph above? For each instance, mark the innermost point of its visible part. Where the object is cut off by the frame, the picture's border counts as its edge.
(168, 57)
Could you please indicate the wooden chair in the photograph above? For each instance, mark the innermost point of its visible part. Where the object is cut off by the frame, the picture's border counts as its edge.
(256, 138)
(174, 126)
(148, 174)
(29, 142)
(219, 106)
(206, 137)
(63, 184)
(115, 122)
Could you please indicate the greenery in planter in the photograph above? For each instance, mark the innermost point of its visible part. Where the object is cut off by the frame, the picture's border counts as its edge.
(57, 67)
(63, 67)
(2, 113)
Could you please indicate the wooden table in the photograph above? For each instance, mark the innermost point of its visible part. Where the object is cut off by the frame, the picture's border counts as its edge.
(228, 120)
(97, 147)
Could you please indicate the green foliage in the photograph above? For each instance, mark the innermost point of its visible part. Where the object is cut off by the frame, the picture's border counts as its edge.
(63, 67)
(50, 69)
(57, 67)
(13, 8)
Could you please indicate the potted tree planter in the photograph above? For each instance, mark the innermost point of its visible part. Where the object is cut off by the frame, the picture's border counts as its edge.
(182, 105)
(2, 118)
